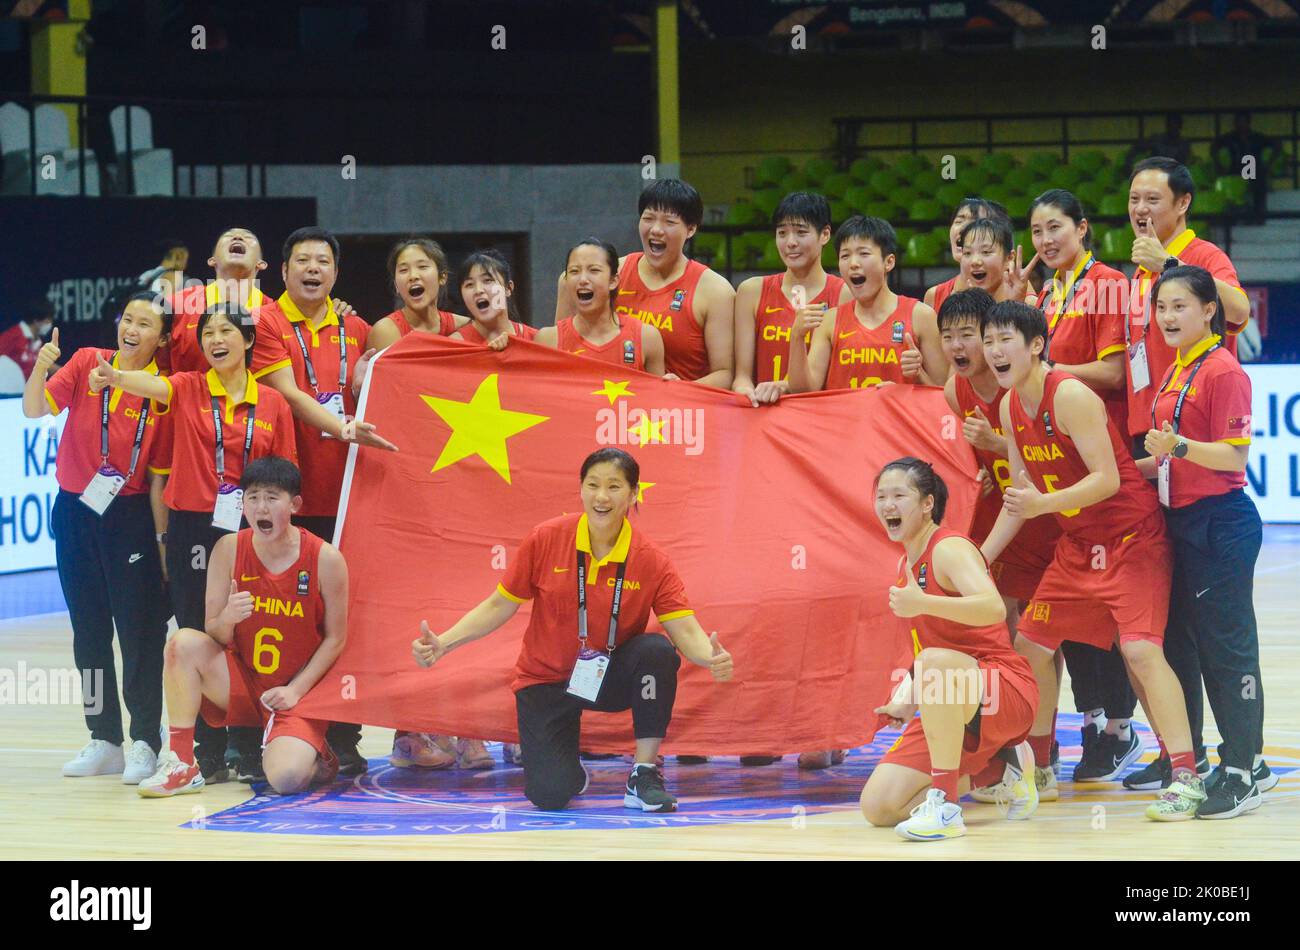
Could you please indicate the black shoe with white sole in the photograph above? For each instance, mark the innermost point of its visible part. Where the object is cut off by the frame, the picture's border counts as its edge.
(1230, 795)
(1089, 741)
(1110, 757)
(1264, 777)
(645, 790)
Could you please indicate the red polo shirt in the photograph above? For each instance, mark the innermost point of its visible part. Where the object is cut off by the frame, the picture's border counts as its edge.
(322, 460)
(19, 345)
(544, 570)
(78, 459)
(1189, 249)
(192, 437)
(1217, 409)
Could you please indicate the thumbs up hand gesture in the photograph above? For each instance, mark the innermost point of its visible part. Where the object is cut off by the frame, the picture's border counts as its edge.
(1148, 252)
(908, 600)
(102, 375)
(979, 432)
(720, 664)
(1160, 442)
(1023, 499)
(910, 360)
(239, 605)
(428, 649)
(49, 354)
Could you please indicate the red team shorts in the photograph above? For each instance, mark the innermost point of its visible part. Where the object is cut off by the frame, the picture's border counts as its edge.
(1016, 699)
(246, 709)
(1092, 590)
(1016, 577)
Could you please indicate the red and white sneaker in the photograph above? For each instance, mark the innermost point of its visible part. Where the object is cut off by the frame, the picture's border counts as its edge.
(173, 777)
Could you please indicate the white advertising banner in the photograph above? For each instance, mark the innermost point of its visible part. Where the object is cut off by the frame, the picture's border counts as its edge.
(1273, 471)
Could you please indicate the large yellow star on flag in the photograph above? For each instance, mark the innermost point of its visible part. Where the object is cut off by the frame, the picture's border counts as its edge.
(613, 390)
(640, 490)
(647, 431)
(480, 427)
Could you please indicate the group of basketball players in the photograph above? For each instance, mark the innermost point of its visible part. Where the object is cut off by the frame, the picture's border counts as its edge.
(1113, 487)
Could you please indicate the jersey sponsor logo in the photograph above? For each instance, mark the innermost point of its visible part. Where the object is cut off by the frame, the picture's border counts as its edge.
(844, 336)
(679, 298)
(626, 293)
(660, 321)
(274, 607)
(1041, 453)
(867, 354)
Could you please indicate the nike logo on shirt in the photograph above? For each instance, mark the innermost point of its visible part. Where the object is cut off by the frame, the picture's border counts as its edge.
(245, 577)
(135, 557)
(773, 309)
(1200, 592)
(850, 333)
(559, 570)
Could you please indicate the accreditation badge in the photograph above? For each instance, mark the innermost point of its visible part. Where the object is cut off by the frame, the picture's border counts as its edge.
(333, 402)
(1162, 479)
(229, 511)
(103, 488)
(1139, 369)
(588, 674)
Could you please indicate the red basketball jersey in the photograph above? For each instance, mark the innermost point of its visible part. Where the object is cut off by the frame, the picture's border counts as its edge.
(446, 322)
(288, 619)
(862, 357)
(671, 308)
(943, 291)
(624, 350)
(1053, 463)
(991, 641)
(772, 322)
(470, 332)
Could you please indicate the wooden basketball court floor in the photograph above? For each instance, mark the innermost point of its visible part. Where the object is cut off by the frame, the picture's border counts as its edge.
(46, 816)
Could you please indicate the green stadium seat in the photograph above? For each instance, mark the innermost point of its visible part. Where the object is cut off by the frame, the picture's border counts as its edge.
(747, 250)
(766, 201)
(973, 179)
(1064, 176)
(817, 170)
(1202, 173)
(1099, 232)
(1212, 202)
(940, 234)
(995, 192)
(1020, 179)
(706, 247)
(771, 258)
(742, 212)
(1025, 241)
(1112, 205)
(926, 182)
(1090, 195)
(998, 163)
(840, 210)
(771, 169)
(1018, 205)
(863, 168)
(904, 235)
(859, 198)
(1234, 188)
(949, 194)
(1201, 227)
(927, 209)
(924, 250)
(887, 210)
(884, 182)
(795, 181)
(1043, 163)
(1117, 246)
(830, 257)
(835, 184)
(911, 164)
(1089, 160)
(903, 196)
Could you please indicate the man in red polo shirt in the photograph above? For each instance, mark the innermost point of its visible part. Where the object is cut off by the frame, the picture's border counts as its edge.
(22, 341)
(1160, 197)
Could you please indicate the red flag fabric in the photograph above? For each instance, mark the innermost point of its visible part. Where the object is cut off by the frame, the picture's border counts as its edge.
(767, 514)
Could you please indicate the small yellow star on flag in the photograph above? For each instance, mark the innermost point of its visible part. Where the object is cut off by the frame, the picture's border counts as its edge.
(480, 427)
(647, 431)
(640, 490)
(612, 390)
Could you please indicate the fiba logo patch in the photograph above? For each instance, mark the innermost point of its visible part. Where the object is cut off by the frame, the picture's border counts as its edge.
(923, 574)
(679, 298)
(1047, 424)
(629, 353)
(304, 583)
(898, 331)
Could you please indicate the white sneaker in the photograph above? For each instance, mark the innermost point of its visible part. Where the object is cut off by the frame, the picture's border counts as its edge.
(140, 763)
(934, 819)
(1021, 799)
(1003, 792)
(99, 757)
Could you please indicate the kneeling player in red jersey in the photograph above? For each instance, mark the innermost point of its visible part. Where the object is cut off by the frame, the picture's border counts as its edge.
(277, 604)
(1112, 566)
(975, 693)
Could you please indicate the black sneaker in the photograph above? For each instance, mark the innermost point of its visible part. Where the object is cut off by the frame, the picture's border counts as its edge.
(1154, 775)
(1265, 778)
(645, 790)
(250, 767)
(351, 761)
(692, 759)
(1230, 796)
(1110, 757)
(754, 760)
(214, 769)
(1090, 740)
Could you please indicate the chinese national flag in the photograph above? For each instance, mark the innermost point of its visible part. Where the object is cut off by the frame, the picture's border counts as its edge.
(767, 514)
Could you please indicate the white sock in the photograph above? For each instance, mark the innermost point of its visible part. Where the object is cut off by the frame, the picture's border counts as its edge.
(1094, 716)
(1122, 728)
(1244, 773)
(643, 765)
(1259, 760)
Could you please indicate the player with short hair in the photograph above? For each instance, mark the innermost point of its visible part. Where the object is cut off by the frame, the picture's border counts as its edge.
(986, 698)
(766, 307)
(689, 305)
(968, 209)
(277, 617)
(876, 338)
(1112, 565)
